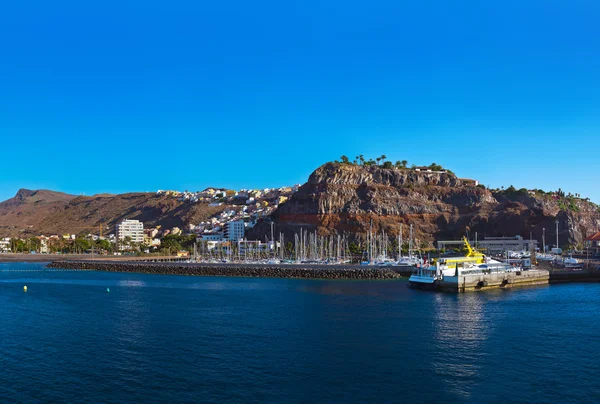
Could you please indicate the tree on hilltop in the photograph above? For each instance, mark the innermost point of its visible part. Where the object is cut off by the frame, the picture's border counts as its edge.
(435, 167)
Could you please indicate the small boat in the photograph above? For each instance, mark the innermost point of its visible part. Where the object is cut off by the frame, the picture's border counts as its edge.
(409, 261)
(569, 263)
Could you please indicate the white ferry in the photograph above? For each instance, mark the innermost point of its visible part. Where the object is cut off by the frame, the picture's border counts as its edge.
(428, 276)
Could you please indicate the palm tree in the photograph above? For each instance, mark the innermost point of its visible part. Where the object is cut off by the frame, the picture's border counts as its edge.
(383, 158)
(378, 159)
(362, 159)
(404, 163)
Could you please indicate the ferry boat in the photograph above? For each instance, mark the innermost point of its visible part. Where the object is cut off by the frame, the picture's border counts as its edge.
(473, 263)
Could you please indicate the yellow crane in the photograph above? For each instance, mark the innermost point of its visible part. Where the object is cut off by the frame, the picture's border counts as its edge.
(472, 255)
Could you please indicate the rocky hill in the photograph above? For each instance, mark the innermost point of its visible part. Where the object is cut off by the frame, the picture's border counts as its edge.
(48, 212)
(347, 198)
(27, 209)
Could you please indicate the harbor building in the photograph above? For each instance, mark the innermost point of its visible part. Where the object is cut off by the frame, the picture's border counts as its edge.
(593, 242)
(496, 245)
(134, 229)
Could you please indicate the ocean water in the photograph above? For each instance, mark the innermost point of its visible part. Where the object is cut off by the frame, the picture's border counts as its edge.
(158, 339)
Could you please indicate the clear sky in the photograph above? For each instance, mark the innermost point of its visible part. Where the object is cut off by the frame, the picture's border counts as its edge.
(118, 96)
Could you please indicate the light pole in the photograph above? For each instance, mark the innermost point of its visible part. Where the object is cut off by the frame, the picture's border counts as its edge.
(544, 239)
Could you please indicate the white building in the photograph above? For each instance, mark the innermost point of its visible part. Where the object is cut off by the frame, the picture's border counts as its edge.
(496, 245)
(5, 245)
(234, 231)
(44, 245)
(130, 228)
(211, 237)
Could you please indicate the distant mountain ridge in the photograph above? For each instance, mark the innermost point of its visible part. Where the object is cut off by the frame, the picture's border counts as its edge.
(28, 208)
(35, 212)
(35, 196)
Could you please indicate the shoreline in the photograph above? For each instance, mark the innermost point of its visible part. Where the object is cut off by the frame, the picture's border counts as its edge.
(13, 257)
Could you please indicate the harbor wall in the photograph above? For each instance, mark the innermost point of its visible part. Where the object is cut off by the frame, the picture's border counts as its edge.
(241, 270)
(502, 280)
(558, 277)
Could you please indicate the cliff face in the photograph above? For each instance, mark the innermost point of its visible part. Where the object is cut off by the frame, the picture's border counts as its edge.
(346, 198)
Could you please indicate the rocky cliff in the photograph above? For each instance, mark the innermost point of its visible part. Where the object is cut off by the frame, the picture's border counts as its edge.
(348, 198)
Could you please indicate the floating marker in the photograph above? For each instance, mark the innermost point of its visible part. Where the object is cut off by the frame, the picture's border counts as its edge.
(107, 290)
(25, 288)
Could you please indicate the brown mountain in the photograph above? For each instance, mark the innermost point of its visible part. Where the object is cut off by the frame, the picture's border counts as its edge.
(347, 198)
(47, 212)
(27, 209)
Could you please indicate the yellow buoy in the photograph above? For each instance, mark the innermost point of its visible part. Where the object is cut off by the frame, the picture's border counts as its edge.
(25, 288)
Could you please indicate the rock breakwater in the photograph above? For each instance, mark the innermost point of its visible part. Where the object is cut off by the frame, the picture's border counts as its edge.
(241, 270)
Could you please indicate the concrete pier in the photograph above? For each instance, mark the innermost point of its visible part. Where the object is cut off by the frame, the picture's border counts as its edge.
(497, 280)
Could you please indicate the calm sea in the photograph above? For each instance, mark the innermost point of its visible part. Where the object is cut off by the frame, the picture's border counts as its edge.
(198, 339)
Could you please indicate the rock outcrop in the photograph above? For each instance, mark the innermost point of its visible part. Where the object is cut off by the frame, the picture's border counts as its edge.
(344, 198)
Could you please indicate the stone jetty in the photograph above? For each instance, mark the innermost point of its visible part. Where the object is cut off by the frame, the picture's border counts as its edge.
(241, 270)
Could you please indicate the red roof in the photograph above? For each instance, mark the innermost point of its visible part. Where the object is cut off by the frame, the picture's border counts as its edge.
(595, 237)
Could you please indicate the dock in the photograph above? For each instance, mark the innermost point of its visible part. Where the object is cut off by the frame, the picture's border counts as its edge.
(499, 280)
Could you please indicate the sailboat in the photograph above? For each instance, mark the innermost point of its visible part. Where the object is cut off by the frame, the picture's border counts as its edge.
(410, 260)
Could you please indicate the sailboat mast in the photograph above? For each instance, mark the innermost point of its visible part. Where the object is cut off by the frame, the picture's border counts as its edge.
(410, 241)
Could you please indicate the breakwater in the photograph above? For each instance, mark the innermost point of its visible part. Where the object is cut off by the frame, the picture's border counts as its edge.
(241, 270)
(557, 277)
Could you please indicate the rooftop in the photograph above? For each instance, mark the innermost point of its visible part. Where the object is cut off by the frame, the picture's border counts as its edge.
(595, 237)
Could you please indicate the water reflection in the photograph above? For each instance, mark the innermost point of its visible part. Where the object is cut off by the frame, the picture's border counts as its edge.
(460, 333)
(132, 283)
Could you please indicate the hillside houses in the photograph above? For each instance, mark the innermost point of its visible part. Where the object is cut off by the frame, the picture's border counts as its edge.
(245, 205)
(217, 196)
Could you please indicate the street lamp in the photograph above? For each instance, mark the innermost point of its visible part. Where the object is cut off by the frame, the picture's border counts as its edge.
(544, 239)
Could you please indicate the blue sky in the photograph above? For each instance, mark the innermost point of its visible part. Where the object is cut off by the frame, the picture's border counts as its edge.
(139, 96)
